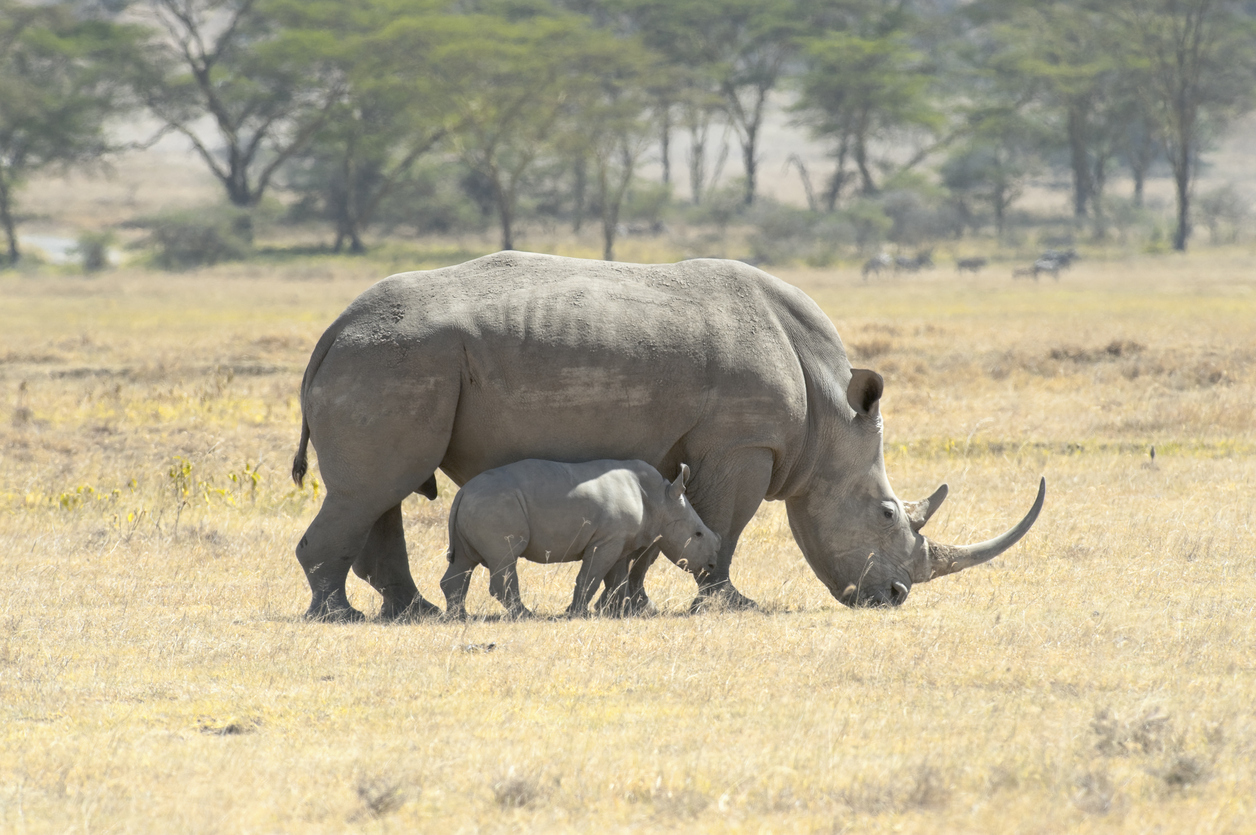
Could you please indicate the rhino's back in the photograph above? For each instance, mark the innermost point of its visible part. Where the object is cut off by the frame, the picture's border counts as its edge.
(568, 359)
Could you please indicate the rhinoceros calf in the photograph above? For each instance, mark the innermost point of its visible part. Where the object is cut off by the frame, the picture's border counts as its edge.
(599, 512)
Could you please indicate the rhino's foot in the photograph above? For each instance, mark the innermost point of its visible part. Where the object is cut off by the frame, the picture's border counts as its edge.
(417, 609)
(628, 606)
(326, 613)
(721, 597)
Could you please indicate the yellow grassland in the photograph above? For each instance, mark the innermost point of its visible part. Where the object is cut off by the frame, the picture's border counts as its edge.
(155, 674)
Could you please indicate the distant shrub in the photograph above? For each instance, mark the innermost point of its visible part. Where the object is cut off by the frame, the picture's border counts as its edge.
(784, 234)
(93, 250)
(200, 237)
(1225, 212)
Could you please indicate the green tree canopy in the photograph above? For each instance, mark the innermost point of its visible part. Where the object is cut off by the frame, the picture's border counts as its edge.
(395, 105)
(62, 76)
(855, 90)
(261, 72)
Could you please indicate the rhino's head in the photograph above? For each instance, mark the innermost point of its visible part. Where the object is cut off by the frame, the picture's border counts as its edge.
(684, 538)
(859, 538)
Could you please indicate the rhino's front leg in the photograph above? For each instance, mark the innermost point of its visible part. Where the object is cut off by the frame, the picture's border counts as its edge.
(622, 593)
(385, 565)
(599, 557)
(740, 481)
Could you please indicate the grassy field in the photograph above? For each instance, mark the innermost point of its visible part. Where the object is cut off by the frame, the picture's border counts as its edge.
(155, 674)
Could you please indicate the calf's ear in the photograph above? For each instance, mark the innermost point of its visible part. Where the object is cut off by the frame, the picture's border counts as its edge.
(677, 488)
(864, 391)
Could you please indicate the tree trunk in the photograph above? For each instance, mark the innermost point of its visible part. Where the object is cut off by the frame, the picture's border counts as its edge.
(6, 219)
(1182, 181)
(505, 213)
(1097, 182)
(1081, 167)
(608, 237)
(697, 163)
(838, 180)
(665, 143)
(748, 156)
(579, 189)
(861, 162)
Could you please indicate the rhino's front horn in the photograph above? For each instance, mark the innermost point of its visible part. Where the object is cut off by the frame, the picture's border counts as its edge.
(947, 559)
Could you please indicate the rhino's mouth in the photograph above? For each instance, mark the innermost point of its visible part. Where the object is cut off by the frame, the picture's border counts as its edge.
(865, 598)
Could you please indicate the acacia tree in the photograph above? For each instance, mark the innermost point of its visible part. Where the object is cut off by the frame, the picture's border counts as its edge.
(992, 164)
(510, 82)
(392, 110)
(254, 71)
(615, 124)
(1199, 63)
(855, 90)
(61, 79)
(755, 40)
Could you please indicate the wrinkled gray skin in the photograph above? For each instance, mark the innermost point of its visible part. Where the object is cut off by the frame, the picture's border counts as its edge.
(516, 356)
(599, 512)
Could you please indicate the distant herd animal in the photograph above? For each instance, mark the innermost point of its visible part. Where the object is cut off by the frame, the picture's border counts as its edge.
(622, 388)
(1050, 262)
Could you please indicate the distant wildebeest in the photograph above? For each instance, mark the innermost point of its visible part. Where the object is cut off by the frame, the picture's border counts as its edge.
(518, 355)
(1047, 265)
(1034, 270)
(602, 513)
(972, 265)
(1062, 257)
(922, 259)
(874, 265)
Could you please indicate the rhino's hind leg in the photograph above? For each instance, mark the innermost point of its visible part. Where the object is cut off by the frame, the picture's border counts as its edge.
(384, 564)
(456, 582)
(503, 584)
(330, 546)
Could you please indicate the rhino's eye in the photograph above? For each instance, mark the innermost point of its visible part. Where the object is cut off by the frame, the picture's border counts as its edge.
(697, 534)
(888, 512)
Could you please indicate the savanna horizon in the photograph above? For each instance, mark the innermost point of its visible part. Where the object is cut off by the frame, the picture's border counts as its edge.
(156, 674)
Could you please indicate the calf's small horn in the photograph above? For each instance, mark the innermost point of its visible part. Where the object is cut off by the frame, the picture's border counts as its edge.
(947, 559)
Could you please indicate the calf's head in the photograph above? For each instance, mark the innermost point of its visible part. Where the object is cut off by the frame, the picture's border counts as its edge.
(683, 536)
(859, 538)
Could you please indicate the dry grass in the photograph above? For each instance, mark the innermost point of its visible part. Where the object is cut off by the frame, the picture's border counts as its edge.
(155, 675)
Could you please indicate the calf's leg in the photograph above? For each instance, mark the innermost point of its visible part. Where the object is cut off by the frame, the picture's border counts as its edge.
(599, 557)
(456, 581)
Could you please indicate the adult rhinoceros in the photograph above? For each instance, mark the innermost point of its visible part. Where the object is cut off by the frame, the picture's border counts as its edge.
(517, 355)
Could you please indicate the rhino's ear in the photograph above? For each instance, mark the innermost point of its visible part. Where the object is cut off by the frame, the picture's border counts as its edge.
(677, 488)
(864, 391)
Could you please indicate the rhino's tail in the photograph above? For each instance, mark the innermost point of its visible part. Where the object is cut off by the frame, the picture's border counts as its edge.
(454, 539)
(300, 462)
